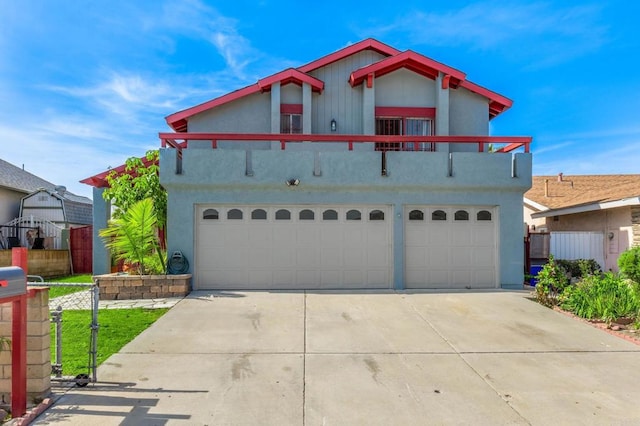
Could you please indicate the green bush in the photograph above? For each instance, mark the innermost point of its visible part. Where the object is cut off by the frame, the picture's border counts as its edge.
(552, 280)
(580, 268)
(629, 263)
(606, 297)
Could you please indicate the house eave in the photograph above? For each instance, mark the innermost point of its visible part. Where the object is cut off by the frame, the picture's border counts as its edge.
(633, 201)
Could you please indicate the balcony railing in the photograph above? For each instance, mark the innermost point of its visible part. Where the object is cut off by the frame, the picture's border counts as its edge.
(180, 141)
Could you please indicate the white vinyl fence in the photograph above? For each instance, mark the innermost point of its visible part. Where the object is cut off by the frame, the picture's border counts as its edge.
(578, 245)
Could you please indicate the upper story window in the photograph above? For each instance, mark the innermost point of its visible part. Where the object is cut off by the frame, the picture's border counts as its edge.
(405, 121)
(290, 123)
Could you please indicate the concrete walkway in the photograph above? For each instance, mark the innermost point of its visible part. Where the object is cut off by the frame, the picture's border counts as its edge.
(358, 358)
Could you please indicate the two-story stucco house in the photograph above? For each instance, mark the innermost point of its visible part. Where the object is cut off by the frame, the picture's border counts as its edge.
(367, 168)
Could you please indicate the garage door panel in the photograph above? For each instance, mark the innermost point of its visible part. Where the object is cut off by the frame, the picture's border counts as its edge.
(307, 257)
(303, 251)
(450, 247)
(416, 236)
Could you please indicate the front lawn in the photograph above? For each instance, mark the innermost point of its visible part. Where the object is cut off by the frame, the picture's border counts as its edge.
(117, 327)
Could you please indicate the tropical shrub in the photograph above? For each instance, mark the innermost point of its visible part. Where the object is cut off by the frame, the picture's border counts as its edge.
(140, 180)
(552, 280)
(606, 297)
(629, 264)
(133, 238)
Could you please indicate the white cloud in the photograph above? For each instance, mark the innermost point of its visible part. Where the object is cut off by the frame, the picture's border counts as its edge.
(541, 33)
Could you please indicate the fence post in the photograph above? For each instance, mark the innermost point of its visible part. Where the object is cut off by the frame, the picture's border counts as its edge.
(19, 341)
(56, 317)
(95, 299)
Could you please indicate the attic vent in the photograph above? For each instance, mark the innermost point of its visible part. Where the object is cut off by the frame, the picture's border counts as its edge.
(42, 198)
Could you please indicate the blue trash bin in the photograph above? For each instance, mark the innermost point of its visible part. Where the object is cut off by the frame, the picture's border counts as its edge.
(535, 269)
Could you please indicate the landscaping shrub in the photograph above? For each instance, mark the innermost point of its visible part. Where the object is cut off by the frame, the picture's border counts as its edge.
(552, 280)
(606, 297)
(580, 268)
(629, 263)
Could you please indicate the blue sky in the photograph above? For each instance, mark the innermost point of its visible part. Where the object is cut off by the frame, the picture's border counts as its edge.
(84, 85)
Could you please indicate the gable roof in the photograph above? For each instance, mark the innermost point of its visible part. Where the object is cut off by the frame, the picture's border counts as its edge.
(558, 195)
(394, 60)
(411, 60)
(19, 180)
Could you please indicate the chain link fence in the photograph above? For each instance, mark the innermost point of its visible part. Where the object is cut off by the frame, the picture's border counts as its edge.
(73, 309)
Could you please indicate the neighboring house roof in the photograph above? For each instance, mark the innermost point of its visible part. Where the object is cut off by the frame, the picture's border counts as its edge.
(559, 195)
(394, 60)
(19, 180)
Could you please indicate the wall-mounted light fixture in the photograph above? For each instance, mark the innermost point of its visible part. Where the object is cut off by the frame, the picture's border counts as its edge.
(334, 125)
(292, 182)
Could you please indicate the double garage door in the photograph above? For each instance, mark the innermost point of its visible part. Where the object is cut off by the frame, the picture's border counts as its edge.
(292, 247)
(350, 247)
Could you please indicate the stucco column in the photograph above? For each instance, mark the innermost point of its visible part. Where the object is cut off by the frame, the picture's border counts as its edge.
(369, 108)
(275, 113)
(306, 108)
(101, 216)
(398, 247)
(442, 112)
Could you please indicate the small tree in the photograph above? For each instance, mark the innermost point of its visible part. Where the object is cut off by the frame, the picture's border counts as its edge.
(629, 263)
(132, 237)
(141, 180)
(552, 280)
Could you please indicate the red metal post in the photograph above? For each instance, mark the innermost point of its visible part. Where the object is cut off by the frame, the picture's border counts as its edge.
(19, 342)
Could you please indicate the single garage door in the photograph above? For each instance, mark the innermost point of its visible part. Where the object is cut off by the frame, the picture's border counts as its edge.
(451, 247)
(293, 247)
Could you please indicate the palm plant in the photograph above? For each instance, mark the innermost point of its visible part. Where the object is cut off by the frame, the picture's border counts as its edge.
(133, 237)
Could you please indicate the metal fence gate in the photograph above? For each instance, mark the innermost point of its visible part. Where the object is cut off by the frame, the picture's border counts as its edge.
(73, 309)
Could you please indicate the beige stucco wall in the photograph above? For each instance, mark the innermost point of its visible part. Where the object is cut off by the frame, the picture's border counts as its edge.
(615, 224)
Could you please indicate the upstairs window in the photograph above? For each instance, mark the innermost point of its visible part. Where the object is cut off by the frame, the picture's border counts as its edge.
(290, 123)
(404, 124)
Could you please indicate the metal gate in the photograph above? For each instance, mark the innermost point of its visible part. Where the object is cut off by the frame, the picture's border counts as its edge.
(81, 247)
(74, 323)
(578, 245)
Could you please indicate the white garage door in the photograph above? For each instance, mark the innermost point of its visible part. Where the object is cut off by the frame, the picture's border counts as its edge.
(293, 247)
(450, 247)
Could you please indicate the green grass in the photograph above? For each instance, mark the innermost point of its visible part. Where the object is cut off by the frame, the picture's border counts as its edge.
(61, 291)
(117, 328)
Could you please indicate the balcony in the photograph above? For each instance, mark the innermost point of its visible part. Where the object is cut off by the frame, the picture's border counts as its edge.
(181, 141)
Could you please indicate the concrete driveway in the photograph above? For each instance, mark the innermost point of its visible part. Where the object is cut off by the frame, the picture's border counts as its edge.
(358, 358)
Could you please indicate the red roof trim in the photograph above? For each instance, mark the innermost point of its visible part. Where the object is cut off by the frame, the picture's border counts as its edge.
(368, 44)
(291, 75)
(409, 59)
(497, 102)
(100, 180)
(179, 119)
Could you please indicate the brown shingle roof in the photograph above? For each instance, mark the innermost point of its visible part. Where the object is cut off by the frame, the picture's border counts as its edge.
(582, 189)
